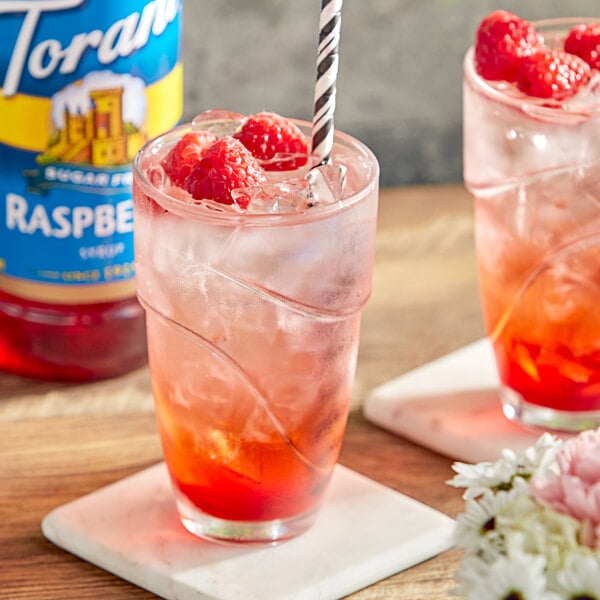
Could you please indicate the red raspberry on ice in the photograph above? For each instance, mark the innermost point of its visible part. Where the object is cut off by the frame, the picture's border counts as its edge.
(226, 166)
(584, 41)
(186, 154)
(268, 134)
(552, 74)
(502, 40)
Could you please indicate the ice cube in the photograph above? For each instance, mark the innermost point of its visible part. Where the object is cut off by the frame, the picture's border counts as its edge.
(586, 98)
(327, 184)
(284, 196)
(219, 122)
(156, 176)
(321, 186)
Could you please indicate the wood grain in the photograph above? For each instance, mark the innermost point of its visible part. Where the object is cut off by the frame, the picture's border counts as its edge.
(58, 442)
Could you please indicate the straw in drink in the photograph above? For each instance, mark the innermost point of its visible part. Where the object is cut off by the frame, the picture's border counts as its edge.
(253, 279)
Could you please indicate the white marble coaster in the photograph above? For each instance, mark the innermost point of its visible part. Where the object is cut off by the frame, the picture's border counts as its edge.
(364, 533)
(450, 405)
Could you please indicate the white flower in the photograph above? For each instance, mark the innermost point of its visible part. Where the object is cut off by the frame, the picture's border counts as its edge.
(481, 477)
(516, 576)
(542, 455)
(530, 527)
(501, 474)
(517, 544)
(580, 578)
(479, 520)
(473, 570)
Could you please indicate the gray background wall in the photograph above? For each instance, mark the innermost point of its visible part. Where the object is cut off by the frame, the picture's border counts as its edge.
(399, 83)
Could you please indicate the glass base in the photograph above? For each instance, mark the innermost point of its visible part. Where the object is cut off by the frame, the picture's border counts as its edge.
(241, 532)
(517, 409)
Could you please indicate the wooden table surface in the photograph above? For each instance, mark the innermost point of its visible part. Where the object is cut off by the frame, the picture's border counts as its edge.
(58, 442)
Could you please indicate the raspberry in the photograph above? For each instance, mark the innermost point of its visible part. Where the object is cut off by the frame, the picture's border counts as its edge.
(226, 166)
(267, 135)
(584, 41)
(186, 154)
(502, 40)
(552, 74)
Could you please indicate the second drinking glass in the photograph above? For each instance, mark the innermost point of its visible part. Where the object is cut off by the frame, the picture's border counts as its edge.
(533, 165)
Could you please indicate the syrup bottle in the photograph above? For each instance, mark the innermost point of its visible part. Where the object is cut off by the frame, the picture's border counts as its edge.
(83, 84)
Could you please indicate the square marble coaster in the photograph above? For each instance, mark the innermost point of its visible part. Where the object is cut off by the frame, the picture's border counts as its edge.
(365, 532)
(450, 405)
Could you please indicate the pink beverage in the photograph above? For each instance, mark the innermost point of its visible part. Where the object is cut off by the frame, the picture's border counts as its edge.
(532, 162)
(253, 319)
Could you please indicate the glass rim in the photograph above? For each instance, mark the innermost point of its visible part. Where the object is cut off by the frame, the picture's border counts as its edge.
(541, 108)
(202, 211)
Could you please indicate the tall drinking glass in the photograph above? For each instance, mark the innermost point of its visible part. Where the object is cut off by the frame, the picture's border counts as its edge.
(253, 326)
(533, 167)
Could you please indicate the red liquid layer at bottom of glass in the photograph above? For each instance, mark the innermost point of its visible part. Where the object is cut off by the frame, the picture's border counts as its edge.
(550, 376)
(234, 498)
(82, 342)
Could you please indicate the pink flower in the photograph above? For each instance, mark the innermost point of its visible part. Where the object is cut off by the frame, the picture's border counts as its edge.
(575, 489)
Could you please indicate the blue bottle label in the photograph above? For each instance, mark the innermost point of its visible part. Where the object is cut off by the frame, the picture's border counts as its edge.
(84, 83)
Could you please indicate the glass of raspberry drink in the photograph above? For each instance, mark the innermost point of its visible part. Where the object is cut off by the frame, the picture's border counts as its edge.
(253, 269)
(532, 162)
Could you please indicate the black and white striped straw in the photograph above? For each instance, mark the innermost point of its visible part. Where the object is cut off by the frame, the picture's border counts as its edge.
(330, 22)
